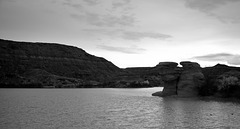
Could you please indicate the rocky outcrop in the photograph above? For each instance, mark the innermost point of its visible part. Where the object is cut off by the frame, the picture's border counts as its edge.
(61, 60)
(190, 79)
(182, 82)
(169, 74)
(167, 65)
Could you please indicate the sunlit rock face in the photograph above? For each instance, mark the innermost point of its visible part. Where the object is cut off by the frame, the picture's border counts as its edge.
(190, 79)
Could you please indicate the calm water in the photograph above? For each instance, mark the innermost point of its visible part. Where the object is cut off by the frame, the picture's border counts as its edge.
(110, 109)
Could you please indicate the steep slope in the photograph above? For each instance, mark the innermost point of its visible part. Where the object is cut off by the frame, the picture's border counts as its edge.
(16, 58)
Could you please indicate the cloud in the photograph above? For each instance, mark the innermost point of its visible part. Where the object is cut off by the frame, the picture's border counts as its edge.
(131, 35)
(225, 57)
(104, 20)
(120, 3)
(128, 35)
(91, 2)
(206, 5)
(73, 5)
(209, 7)
(89, 18)
(123, 20)
(8, 1)
(126, 50)
(102, 14)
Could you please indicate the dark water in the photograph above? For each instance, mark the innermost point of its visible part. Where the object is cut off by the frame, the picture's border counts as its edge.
(110, 109)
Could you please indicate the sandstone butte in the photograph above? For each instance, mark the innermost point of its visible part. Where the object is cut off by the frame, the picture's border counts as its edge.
(180, 81)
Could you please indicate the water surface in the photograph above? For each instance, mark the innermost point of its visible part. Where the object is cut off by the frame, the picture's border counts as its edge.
(110, 109)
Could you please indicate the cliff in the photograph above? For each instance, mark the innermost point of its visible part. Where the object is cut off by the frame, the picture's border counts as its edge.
(17, 58)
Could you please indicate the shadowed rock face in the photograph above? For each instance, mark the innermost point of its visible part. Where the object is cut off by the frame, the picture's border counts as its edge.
(62, 60)
(167, 65)
(169, 74)
(183, 82)
(190, 79)
(190, 65)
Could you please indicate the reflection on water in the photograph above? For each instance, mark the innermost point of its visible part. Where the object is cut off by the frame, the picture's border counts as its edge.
(110, 109)
(195, 113)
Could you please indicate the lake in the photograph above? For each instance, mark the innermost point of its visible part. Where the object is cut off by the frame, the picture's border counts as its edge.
(111, 109)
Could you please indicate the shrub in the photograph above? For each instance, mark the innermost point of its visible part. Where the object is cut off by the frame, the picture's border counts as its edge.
(208, 88)
(226, 82)
(228, 86)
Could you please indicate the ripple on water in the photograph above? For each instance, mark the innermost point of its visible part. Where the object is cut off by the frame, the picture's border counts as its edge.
(111, 109)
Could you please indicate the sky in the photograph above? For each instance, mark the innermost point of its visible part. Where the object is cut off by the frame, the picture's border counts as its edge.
(131, 33)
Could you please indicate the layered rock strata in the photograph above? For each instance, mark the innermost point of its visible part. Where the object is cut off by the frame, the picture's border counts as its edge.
(18, 57)
(180, 81)
(169, 74)
(191, 79)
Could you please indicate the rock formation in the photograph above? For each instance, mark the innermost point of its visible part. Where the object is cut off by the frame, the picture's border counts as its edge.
(183, 82)
(169, 74)
(190, 79)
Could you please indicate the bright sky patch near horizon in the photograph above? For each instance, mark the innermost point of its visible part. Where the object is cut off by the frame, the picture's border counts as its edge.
(131, 33)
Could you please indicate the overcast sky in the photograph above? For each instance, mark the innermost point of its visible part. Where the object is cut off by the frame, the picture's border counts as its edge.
(131, 33)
